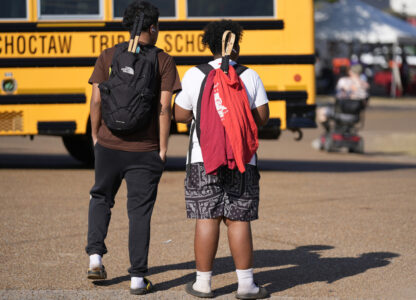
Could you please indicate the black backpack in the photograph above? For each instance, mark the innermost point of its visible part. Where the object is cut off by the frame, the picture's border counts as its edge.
(128, 96)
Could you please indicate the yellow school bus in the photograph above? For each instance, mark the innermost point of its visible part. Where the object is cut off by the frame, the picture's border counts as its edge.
(48, 49)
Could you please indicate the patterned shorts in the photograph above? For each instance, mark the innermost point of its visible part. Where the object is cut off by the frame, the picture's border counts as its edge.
(229, 194)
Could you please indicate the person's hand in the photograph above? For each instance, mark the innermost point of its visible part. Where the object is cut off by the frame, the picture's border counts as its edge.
(94, 140)
(162, 155)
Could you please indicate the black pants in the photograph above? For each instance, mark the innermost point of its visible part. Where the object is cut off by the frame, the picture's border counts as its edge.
(142, 172)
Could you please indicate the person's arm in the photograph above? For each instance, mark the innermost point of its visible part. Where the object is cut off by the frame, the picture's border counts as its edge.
(95, 112)
(261, 114)
(183, 101)
(182, 115)
(165, 116)
(341, 88)
(364, 84)
(259, 103)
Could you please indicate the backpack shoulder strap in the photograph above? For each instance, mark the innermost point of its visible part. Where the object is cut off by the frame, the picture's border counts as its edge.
(151, 48)
(158, 49)
(240, 69)
(122, 45)
(204, 68)
(120, 48)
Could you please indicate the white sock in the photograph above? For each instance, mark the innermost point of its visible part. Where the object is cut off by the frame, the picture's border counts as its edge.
(245, 282)
(95, 261)
(137, 283)
(203, 282)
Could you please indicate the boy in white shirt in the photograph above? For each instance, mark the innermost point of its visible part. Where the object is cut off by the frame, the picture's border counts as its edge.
(211, 199)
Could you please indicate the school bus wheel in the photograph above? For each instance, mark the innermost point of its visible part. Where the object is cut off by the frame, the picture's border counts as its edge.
(80, 146)
(270, 131)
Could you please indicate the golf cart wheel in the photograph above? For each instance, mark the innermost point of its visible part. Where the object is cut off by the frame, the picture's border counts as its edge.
(359, 148)
(328, 145)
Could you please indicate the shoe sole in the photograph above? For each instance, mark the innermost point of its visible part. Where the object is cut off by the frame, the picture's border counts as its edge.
(262, 294)
(190, 290)
(96, 274)
(143, 291)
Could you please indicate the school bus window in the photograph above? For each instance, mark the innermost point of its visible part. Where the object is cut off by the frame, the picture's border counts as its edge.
(167, 8)
(230, 8)
(69, 7)
(16, 9)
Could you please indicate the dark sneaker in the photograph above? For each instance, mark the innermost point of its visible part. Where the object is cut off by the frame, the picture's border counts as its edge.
(145, 290)
(261, 294)
(190, 290)
(97, 273)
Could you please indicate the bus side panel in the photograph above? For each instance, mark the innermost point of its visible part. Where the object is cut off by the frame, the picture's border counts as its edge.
(30, 115)
(298, 17)
(53, 85)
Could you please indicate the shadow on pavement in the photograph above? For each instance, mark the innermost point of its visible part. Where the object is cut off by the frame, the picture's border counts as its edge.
(40, 161)
(63, 162)
(60, 161)
(298, 266)
(329, 166)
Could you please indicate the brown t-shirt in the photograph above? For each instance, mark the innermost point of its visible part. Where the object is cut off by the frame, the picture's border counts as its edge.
(148, 138)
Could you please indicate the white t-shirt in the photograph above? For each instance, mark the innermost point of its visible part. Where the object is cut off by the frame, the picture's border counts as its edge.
(191, 85)
(354, 88)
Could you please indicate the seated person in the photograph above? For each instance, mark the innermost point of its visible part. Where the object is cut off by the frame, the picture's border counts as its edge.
(352, 85)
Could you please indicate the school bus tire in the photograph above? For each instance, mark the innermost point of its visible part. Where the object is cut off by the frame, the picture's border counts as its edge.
(80, 147)
(269, 133)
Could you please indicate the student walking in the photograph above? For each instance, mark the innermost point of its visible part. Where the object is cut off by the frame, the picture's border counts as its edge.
(138, 155)
(218, 187)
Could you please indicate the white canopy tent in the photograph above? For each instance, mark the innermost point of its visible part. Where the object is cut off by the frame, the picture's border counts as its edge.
(353, 20)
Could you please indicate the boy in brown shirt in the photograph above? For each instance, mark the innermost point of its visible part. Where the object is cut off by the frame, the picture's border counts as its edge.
(139, 157)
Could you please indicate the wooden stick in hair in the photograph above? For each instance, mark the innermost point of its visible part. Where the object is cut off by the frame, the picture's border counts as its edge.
(138, 32)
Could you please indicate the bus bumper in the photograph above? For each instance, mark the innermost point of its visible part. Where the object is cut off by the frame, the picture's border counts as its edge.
(45, 119)
(300, 116)
(288, 115)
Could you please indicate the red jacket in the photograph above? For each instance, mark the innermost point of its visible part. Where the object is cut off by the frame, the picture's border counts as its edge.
(228, 131)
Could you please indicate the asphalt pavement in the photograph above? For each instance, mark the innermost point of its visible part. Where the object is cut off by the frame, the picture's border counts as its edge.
(331, 226)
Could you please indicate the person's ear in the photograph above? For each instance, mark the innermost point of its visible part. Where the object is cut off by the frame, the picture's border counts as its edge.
(152, 29)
